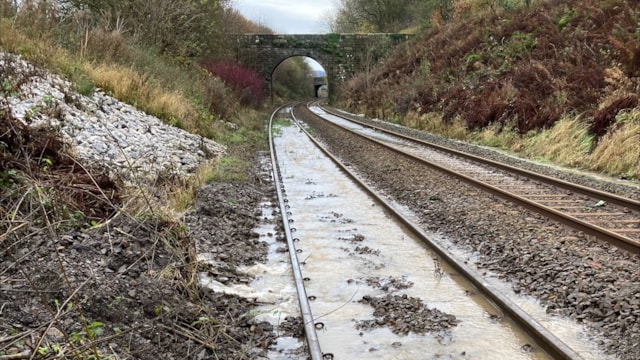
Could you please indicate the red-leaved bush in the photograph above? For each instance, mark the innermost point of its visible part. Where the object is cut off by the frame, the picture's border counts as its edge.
(246, 83)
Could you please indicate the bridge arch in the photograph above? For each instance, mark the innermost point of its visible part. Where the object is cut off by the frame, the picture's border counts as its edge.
(268, 81)
(341, 55)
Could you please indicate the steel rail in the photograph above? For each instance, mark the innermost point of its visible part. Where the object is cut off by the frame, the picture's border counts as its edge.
(595, 193)
(544, 338)
(613, 238)
(305, 308)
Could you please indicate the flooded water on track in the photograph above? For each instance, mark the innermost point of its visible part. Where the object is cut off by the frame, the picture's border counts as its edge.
(335, 220)
(346, 241)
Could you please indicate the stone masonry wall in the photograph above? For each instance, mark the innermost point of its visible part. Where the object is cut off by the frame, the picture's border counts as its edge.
(341, 55)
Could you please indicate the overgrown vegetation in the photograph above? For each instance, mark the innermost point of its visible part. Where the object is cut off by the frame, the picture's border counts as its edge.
(521, 78)
(143, 60)
(114, 46)
(363, 16)
(148, 54)
(245, 83)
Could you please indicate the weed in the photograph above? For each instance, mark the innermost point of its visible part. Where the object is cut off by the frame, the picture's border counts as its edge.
(84, 86)
(282, 122)
(567, 16)
(388, 166)
(472, 58)
(48, 100)
(425, 67)
(7, 89)
(52, 349)
(202, 320)
(95, 329)
(8, 179)
(160, 309)
(230, 168)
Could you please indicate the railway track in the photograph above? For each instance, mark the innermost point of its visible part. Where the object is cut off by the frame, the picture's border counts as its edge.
(606, 216)
(313, 344)
(544, 339)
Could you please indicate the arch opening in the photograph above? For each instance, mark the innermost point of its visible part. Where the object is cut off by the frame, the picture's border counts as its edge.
(298, 77)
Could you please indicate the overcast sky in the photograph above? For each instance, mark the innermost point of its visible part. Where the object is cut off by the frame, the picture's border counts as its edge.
(288, 16)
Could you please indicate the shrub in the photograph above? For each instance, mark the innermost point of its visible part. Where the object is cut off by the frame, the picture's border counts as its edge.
(246, 83)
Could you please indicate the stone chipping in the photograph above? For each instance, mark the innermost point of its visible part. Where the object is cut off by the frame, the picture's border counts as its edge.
(133, 145)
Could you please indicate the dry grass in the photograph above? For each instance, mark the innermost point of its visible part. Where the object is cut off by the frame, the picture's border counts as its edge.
(37, 50)
(134, 87)
(566, 143)
(433, 122)
(618, 152)
(570, 143)
(497, 135)
(182, 197)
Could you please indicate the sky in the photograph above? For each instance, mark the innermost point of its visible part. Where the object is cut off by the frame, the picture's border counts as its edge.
(288, 16)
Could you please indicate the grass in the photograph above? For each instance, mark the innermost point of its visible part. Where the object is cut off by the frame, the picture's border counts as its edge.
(433, 122)
(230, 168)
(497, 135)
(136, 88)
(618, 152)
(567, 143)
(181, 198)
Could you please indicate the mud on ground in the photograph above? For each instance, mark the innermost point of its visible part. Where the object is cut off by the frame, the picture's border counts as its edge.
(127, 287)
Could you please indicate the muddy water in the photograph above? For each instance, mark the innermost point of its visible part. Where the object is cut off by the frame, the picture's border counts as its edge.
(333, 219)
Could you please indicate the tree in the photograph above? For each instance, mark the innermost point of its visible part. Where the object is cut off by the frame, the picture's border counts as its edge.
(362, 16)
(176, 27)
(373, 15)
(236, 23)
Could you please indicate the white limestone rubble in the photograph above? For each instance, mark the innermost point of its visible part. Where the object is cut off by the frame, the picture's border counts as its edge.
(133, 145)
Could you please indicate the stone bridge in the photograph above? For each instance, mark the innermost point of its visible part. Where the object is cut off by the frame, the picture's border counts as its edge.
(341, 55)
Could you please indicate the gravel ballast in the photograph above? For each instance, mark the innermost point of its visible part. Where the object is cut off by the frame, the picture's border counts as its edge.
(571, 274)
